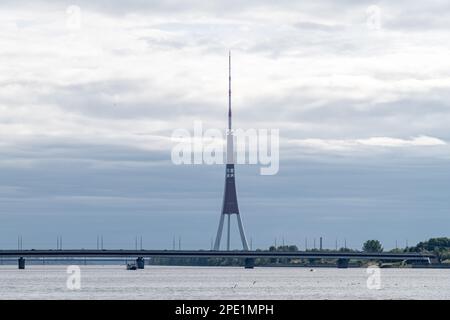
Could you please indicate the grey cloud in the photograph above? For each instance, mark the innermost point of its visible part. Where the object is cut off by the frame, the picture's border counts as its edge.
(369, 197)
(313, 26)
(103, 100)
(85, 180)
(174, 6)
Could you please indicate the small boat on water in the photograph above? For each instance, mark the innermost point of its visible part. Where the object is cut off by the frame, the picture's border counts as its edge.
(131, 266)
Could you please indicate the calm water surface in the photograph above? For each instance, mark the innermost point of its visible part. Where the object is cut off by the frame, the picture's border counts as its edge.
(154, 282)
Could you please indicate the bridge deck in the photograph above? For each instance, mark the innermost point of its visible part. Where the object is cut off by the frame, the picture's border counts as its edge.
(214, 254)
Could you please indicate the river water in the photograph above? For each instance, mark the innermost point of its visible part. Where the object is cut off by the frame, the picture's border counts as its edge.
(158, 282)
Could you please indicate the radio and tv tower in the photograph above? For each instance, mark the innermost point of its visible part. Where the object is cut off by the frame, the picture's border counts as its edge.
(230, 203)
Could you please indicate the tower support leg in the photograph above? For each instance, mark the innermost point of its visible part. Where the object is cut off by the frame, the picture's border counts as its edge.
(228, 233)
(21, 263)
(219, 233)
(241, 231)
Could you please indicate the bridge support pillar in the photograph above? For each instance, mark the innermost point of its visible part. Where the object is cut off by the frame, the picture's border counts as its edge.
(140, 263)
(21, 263)
(249, 263)
(342, 263)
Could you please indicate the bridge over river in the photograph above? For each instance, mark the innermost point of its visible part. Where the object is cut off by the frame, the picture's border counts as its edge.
(247, 256)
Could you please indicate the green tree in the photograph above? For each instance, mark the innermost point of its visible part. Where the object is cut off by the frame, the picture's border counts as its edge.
(434, 244)
(372, 246)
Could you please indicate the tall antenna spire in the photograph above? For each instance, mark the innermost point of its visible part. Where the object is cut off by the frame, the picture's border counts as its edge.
(229, 90)
(230, 203)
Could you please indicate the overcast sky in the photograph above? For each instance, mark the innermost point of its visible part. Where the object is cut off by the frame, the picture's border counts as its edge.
(358, 89)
